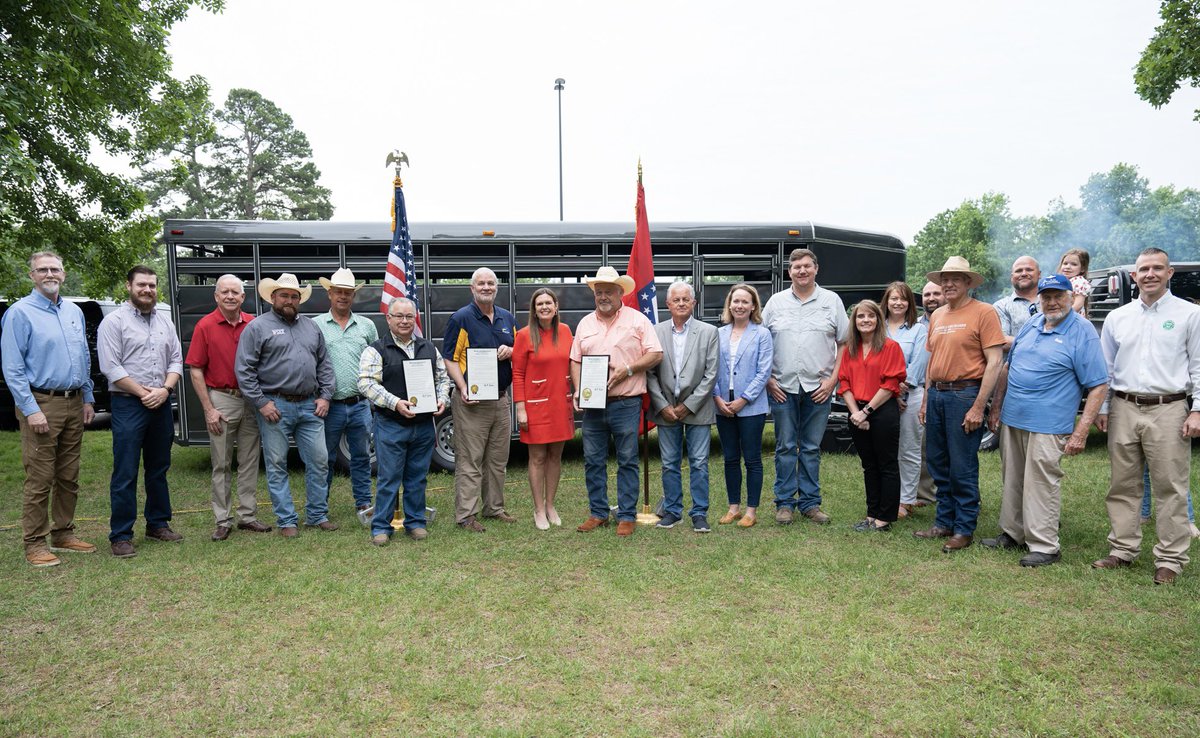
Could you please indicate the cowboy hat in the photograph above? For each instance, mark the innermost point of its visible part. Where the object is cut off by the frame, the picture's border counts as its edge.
(608, 275)
(957, 265)
(267, 287)
(343, 278)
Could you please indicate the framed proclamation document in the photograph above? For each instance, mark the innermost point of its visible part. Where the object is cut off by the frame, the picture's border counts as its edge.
(593, 382)
(483, 374)
(418, 380)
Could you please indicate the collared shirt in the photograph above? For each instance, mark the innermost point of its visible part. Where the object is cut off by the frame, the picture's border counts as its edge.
(807, 333)
(141, 346)
(912, 343)
(345, 347)
(1014, 312)
(214, 348)
(625, 339)
(370, 375)
(1048, 371)
(44, 345)
(1153, 349)
(277, 357)
(470, 328)
(679, 339)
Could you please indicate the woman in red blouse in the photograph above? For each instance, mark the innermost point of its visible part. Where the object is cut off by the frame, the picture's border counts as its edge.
(542, 392)
(869, 379)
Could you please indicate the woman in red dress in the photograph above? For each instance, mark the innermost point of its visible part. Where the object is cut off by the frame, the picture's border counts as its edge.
(542, 392)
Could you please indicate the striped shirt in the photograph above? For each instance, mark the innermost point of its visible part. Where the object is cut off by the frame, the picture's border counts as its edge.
(345, 347)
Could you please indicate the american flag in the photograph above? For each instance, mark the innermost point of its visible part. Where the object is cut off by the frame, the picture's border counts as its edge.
(401, 277)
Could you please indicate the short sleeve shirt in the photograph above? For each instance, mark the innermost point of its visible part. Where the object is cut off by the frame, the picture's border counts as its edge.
(345, 348)
(470, 328)
(1047, 373)
(806, 334)
(214, 348)
(625, 339)
(957, 339)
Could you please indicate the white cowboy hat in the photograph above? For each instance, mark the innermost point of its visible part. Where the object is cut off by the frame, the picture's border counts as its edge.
(956, 265)
(343, 278)
(608, 275)
(268, 286)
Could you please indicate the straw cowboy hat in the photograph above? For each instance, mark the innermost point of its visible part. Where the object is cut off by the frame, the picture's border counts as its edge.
(608, 275)
(268, 286)
(957, 265)
(343, 278)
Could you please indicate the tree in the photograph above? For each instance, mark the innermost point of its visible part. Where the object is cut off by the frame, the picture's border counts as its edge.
(73, 75)
(978, 230)
(1173, 54)
(246, 161)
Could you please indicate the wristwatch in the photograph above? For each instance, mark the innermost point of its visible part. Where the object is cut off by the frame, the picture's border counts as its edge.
(867, 410)
(628, 371)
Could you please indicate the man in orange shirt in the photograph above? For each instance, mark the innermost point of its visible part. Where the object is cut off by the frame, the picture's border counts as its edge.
(966, 346)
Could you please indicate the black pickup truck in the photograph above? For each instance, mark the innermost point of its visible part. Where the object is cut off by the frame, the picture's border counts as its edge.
(1113, 287)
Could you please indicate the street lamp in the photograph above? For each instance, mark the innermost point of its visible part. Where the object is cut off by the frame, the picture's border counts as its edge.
(558, 85)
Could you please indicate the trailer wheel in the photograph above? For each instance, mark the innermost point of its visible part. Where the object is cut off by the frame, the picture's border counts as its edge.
(342, 462)
(443, 442)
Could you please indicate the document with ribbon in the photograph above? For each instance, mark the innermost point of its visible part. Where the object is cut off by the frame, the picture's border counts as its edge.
(418, 380)
(483, 374)
(593, 382)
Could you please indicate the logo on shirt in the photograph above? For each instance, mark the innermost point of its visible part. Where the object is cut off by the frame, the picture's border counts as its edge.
(279, 331)
(1168, 325)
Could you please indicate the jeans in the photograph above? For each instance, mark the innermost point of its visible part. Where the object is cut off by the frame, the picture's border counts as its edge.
(297, 419)
(953, 458)
(404, 453)
(355, 421)
(1146, 498)
(139, 432)
(670, 446)
(877, 448)
(741, 439)
(620, 421)
(799, 426)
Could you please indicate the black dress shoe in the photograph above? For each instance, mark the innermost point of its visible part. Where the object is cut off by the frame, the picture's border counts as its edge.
(1004, 541)
(1039, 559)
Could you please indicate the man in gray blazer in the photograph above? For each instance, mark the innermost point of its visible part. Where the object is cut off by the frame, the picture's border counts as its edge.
(681, 389)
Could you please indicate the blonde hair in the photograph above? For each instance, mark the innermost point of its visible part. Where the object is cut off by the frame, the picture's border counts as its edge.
(755, 312)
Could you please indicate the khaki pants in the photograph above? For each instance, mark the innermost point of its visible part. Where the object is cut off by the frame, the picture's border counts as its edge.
(1150, 435)
(1031, 475)
(482, 433)
(51, 462)
(242, 430)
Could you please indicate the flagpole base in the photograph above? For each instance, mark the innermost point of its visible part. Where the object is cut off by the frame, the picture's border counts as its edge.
(647, 517)
(397, 521)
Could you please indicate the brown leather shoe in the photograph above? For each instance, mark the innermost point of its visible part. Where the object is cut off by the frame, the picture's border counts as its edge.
(221, 533)
(123, 549)
(163, 534)
(1163, 575)
(502, 516)
(817, 516)
(73, 544)
(904, 511)
(327, 525)
(472, 525)
(254, 527)
(592, 524)
(957, 542)
(1111, 562)
(934, 532)
(625, 527)
(289, 531)
(41, 558)
(417, 534)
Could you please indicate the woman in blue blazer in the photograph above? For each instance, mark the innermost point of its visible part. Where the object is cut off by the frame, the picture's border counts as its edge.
(741, 399)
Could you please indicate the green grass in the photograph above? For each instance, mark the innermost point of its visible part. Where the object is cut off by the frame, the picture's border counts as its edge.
(802, 630)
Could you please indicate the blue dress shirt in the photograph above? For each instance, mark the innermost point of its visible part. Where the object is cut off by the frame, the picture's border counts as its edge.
(44, 345)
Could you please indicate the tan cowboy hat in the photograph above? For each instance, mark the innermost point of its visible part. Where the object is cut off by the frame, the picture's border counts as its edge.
(608, 275)
(956, 265)
(268, 286)
(343, 278)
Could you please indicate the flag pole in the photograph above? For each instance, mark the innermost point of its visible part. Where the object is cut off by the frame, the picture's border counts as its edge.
(646, 516)
(397, 158)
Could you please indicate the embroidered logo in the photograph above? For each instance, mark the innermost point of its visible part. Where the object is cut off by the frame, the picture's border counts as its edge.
(1168, 325)
(279, 331)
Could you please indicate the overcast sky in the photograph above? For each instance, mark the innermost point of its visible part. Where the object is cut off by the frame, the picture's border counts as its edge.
(871, 114)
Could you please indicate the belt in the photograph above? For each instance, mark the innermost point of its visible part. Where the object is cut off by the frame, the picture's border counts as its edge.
(294, 398)
(1150, 399)
(57, 393)
(234, 391)
(957, 385)
(625, 397)
(348, 400)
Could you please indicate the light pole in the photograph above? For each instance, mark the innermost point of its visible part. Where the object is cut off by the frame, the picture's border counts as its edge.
(558, 85)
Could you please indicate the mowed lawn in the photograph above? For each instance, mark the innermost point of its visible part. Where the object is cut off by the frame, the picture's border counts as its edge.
(770, 631)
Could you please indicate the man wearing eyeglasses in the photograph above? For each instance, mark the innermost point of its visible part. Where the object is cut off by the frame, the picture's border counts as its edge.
(1016, 309)
(49, 372)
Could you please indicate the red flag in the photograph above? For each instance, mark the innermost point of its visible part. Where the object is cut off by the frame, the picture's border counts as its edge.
(641, 270)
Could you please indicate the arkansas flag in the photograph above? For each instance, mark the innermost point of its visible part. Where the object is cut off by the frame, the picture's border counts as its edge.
(641, 270)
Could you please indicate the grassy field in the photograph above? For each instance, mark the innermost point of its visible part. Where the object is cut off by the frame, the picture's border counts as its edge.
(770, 631)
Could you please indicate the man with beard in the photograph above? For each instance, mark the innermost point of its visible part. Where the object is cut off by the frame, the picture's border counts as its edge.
(1015, 310)
(48, 370)
(140, 354)
(228, 415)
(282, 367)
(931, 299)
(1054, 357)
(482, 428)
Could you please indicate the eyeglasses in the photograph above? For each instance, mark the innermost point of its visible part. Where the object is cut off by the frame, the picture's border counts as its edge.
(402, 317)
(47, 270)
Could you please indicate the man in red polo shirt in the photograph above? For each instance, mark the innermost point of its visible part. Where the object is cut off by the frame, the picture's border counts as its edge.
(229, 416)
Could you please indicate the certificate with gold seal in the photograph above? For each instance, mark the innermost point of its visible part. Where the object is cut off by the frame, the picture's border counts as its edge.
(418, 380)
(483, 374)
(593, 382)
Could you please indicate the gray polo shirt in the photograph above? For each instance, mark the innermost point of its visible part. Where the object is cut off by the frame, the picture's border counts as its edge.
(806, 335)
(143, 347)
(278, 357)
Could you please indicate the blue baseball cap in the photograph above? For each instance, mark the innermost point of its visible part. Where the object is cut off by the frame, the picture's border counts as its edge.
(1054, 282)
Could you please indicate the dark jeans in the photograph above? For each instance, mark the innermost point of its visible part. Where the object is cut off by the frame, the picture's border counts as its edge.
(404, 453)
(138, 432)
(741, 440)
(799, 427)
(620, 422)
(877, 447)
(952, 456)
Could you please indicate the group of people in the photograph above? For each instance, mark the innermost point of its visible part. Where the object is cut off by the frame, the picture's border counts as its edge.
(916, 389)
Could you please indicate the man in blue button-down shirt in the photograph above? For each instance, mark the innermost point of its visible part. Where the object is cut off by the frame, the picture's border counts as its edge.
(48, 371)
